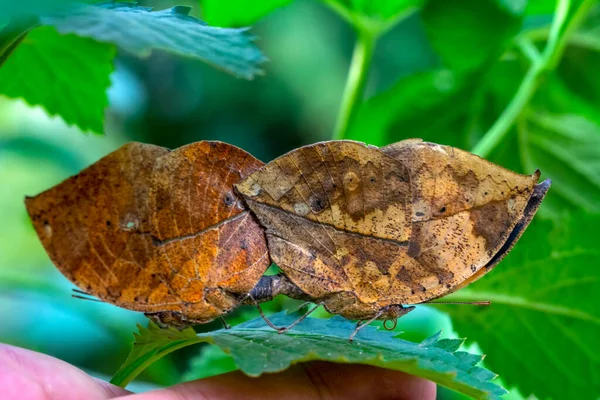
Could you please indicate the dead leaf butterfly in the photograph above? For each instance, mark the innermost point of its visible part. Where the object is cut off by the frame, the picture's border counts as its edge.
(367, 231)
(157, 231)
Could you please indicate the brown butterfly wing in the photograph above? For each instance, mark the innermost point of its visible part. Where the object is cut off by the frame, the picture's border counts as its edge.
(212, 247)
(464, 209)
(106, 229)
(91, 226)
(364, 228)
(336, 221)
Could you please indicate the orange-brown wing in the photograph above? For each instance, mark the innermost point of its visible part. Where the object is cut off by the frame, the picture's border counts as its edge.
(464, 209)
(95, 226)
(211, 246)
(99, 228)
(336, 217)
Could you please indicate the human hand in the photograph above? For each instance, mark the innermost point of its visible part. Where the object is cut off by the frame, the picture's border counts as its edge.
(27, 375)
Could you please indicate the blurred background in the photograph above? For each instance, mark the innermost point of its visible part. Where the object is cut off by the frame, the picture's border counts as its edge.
(412, 91)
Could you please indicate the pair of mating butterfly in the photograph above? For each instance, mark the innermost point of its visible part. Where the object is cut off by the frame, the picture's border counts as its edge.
(186, 235)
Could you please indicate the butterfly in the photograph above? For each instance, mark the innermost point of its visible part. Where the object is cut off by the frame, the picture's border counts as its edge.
(157, 231)
(369, 232)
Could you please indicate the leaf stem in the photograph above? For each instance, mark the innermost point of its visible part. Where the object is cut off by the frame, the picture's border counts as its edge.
(355, 84)
(496, 133)
(559, 31)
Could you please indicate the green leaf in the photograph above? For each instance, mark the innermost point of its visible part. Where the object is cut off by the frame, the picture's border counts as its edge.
(236, 13)
(149, 345)
(374, 16)
(541, 331)
(469, 33)
(565, 148)
(210, 362)
(257, 349)
(12, 34)
(67, 75)
(139, 31)
(407, 108)
(557, 98)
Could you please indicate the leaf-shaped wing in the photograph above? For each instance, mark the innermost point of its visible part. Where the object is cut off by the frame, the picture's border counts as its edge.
(467, 212)
(156, 231)
(362, 228)
(337, 223)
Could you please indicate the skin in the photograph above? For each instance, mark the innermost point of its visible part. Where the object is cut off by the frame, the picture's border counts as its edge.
(27, 375)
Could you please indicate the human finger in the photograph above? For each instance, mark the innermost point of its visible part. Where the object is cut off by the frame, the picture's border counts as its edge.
(316, 380)
(28, 375)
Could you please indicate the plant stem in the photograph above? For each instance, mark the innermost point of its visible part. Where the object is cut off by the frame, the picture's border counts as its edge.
(355, 84)
(559, 31)
(501, 127)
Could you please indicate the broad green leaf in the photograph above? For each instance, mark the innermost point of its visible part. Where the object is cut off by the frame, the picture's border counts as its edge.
(565, 148)
(557, 98)
(577, 71)
(541, 331)
(67, 75)
(257, 349)
(140, 30)
(236, 13)
(374, 16)
(12, 34)
(210, 361)
(422, 105)
(149, 345)
(469, 33)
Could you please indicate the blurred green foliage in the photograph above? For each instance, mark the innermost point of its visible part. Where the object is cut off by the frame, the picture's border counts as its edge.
(521, 75)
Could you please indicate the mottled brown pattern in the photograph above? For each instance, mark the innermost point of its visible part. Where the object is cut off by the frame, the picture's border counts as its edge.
(465, 208)
(490, 221)
(365, 230)
(157, 231)
(345, 250)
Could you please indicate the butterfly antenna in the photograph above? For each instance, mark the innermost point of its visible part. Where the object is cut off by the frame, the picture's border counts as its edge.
(76, 296)
(473, 303)
(82, 295)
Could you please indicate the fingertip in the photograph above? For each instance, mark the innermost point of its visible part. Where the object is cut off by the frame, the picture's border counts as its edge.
(26, 374)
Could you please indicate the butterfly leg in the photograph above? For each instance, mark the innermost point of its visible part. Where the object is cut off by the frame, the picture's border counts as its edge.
(225, 324)
(260, 311)
(296, 322)
(303, 305)
(361, 324)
